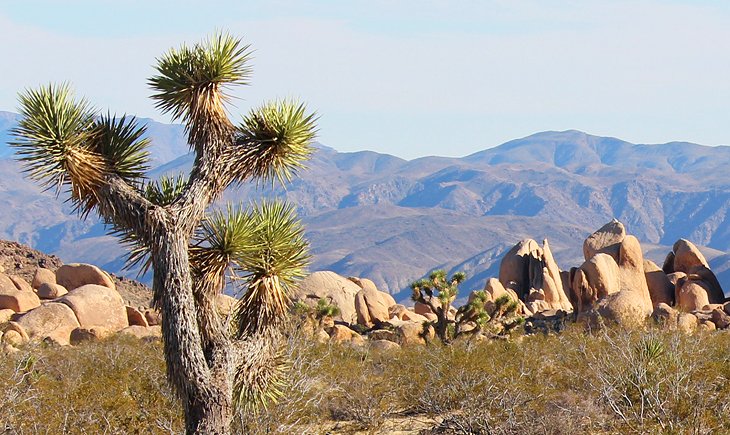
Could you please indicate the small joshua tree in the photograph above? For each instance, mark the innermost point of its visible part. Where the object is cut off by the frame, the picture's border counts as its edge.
(479, 313)
(438, 293)
(316, 315)
(102, 160)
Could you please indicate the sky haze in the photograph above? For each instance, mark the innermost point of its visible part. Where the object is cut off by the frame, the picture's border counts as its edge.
(408, 78)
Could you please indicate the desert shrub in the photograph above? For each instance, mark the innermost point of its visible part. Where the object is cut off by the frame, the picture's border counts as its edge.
(613, 381)
(115, 386)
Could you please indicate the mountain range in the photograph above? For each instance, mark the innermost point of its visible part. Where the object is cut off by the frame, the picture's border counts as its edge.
(393, 220)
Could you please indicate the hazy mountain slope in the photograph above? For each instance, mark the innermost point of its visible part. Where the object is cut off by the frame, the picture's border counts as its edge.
(392, 220)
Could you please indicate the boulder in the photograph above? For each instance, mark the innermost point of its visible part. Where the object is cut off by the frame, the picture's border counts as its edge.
(52, 320)
(341, 334)
(532, 275)
(557, 278)
(494, 289)
(631, 271)
(371, 305)
(665, 315)
(410, 333)
(383, 334)
(20, 283)
(383, 346)
(81, 335)
(397, 311)
(135, 317)
(51, 291)
(687, 256)
(674, 277)
(97, 306)
(5, 315)
(6, 284)
(687, 322)
(706, 325)
(605, 240)
(336, 289)
(661, 288)
(691, 294)
(715, 293)
(43, 276)
(624, 308)
(596, 278)
(75, 275)
(516, 267)
(409, 315)
(720, 318)
(14, 326)
(12, 338)
(14, 299)
(388, 298)
(668, 266)
(431, 317)
(153, 317)
(422, 309)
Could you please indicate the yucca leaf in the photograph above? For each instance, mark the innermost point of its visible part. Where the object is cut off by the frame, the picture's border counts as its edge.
(273, 258)
(259, 379)
(166, 190)
(274, 140)
(52, 140)
(121, 143)
(192, 84)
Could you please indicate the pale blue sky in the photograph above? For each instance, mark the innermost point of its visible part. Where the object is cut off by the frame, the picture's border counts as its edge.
(410, 78)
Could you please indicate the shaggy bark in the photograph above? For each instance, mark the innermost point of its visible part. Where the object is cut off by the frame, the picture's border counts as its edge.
(205, 393)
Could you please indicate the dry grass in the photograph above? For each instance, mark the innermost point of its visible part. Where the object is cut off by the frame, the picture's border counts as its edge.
(609, 382)
(113, 387)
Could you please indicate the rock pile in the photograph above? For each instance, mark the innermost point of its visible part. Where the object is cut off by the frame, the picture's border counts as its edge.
(615, 284)
(74, 303)
(532, 274)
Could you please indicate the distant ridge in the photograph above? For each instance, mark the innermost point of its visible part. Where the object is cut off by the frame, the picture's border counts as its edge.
(394, 220)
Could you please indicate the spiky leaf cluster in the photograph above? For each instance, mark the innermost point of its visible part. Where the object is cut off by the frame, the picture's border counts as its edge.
(325, 309)
(61, 144)
(437, 285)
(121, 142)
(164, 191)
(276, 260)
(259, 380)
(475, 310)
(266, 247)
(192, 84)
(275, 139)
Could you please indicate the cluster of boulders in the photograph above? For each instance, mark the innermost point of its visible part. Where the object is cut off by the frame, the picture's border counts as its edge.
(362, 307)
(616, 284)
(74, 303)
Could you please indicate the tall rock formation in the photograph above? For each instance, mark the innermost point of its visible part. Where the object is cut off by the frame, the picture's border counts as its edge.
(532, 273)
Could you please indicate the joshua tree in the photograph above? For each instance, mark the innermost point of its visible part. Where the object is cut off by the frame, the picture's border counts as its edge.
(318, 314)
(213, 364)
(439, 293)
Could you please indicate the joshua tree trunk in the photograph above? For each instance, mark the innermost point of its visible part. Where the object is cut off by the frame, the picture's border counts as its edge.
(206, 403)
